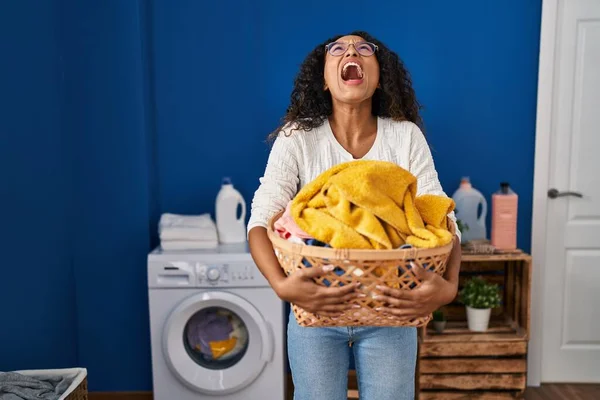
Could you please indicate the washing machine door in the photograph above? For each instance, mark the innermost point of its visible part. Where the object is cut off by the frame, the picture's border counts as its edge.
(217, 343)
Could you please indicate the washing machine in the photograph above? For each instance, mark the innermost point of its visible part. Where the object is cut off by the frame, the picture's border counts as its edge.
(217, 327)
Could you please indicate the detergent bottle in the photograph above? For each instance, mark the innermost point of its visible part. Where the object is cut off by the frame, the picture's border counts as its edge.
(504, 218)
(468, 201)
(230, 228)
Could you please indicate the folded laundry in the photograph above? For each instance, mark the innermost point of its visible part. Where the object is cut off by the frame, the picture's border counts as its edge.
(191, 221)
(169, 245)
(188, 233)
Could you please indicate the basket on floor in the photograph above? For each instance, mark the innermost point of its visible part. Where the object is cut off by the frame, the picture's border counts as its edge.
(77, 390)
(80, 392)
(391, 268)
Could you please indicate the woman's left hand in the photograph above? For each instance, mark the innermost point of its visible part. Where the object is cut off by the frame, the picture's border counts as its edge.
(433, 293)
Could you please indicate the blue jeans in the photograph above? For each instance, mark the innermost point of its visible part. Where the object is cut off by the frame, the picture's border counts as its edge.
(385, 361)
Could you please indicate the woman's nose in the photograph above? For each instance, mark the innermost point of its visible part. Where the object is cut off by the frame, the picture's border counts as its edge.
(351, 51)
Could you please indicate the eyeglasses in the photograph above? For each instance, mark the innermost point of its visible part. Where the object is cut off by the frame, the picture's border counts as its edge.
(365, 49)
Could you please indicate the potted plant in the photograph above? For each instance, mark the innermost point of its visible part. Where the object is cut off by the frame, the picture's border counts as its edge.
(462, 227)
(479, 298)
(439, 321)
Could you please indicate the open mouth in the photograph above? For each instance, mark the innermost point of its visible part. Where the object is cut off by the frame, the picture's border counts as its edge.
(352, 72)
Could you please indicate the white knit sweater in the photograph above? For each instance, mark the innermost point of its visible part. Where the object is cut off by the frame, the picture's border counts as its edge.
(297, 159)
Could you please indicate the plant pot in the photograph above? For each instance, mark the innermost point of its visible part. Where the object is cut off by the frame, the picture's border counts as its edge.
(439, 326)
(478, 318)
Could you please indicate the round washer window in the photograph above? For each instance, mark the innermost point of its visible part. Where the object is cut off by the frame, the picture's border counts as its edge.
(215, 338)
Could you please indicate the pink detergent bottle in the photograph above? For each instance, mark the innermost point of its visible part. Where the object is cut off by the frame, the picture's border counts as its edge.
(504, 218)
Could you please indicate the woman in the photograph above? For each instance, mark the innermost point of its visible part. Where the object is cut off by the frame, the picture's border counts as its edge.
(352, 99)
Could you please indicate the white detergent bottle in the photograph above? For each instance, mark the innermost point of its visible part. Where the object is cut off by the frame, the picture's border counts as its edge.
(468, 200)
(230, 228)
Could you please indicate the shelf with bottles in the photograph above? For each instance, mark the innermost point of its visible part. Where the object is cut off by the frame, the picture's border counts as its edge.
(471, 208)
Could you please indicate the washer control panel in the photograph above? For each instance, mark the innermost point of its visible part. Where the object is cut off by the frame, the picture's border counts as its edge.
(204, 273)
(227, 274)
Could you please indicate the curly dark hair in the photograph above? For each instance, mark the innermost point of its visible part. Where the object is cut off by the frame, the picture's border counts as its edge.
(310, 105)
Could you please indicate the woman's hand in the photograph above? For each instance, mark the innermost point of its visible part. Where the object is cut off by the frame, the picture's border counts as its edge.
(433, 293)
(300, 289)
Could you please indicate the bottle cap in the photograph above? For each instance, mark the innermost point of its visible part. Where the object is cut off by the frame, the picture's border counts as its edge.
(465, 182)
(226, 181)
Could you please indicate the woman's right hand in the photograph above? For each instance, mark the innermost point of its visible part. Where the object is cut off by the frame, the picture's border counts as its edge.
(300, 289)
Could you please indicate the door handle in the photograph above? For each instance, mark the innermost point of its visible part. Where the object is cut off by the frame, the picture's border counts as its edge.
(554, 193)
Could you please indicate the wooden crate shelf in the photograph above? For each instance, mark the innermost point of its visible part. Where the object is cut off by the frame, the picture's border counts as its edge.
(471, 365)
(490, 395)
(457, 331)
(460, 364)
(472, 381)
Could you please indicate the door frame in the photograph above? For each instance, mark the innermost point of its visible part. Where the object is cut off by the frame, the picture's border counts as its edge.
(541, 180)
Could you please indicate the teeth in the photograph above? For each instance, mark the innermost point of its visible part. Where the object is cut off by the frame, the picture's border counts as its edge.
(360, 71)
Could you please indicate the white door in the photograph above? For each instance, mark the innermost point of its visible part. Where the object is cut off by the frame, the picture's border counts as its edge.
(570, 350)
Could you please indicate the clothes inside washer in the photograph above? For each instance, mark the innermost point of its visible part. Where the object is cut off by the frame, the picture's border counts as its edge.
(216, 333)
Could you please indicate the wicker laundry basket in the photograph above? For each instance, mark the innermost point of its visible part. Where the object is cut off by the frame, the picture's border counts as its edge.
(391, 268)
(80, 392)
(77, 390)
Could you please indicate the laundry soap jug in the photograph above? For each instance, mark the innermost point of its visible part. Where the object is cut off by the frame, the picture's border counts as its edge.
(230, 227)
(468, 201)
(504, 218)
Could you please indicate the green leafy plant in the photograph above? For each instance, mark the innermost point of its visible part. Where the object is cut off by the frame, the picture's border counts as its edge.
(462, 226)
(478, 293)
(438, 315)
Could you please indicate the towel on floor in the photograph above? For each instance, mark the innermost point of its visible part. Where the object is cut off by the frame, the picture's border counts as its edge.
(366, 204)
(16, 386)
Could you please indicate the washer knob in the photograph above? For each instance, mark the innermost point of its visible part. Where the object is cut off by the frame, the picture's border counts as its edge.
(213, 274)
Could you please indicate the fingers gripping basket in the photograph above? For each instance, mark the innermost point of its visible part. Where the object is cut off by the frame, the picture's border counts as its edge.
(393, 268)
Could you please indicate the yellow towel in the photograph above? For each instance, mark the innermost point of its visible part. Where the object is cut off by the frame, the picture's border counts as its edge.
(367, 204)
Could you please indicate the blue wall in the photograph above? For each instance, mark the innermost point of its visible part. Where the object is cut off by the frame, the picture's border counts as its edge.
(38, 322)
(109, 132)
(113, 112)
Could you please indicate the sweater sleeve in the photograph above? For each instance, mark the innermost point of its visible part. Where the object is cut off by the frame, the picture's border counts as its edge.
(422, 166)
(279, 183)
